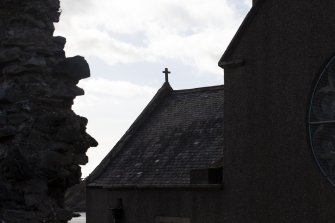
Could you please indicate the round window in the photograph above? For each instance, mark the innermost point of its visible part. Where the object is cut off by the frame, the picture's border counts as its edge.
(322, 121)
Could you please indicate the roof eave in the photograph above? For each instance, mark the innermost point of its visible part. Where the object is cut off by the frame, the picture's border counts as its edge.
(157, 186)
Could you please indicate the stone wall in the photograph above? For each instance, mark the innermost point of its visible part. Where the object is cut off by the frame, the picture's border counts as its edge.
(42, 141)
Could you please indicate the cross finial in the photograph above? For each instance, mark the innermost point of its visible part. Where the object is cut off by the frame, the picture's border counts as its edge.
(166, 72)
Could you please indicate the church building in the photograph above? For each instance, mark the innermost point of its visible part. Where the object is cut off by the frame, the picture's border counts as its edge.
(168, 161)
(268, 157)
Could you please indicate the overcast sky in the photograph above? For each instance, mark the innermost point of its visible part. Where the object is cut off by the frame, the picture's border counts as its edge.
(129, 42)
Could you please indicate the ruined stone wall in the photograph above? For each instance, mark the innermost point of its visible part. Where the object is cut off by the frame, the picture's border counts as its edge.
(42, 141)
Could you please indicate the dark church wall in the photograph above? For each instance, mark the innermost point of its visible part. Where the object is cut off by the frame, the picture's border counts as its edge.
(270, 174)
(139, 206)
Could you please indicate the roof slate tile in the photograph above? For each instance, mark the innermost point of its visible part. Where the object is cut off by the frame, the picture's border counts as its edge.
(183, 132)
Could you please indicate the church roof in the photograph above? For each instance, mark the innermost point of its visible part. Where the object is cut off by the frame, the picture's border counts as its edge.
(178, 131)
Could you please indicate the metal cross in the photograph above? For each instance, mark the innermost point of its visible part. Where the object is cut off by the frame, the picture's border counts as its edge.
(166, 72)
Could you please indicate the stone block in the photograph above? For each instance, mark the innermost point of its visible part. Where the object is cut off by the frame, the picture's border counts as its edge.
(10, 54)
(50, 162)
(35, 61)
(73, 67)
(64, 215)
(81, 159)
(59, 41)
(7, 131)
(15, 119)
(13, 69)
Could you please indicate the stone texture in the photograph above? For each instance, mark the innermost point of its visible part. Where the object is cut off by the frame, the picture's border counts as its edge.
(42, 141)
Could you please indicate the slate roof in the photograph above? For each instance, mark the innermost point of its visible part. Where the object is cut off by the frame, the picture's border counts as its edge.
(179, 130)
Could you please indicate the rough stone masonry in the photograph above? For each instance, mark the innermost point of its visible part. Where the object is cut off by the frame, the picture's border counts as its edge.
(42, 141)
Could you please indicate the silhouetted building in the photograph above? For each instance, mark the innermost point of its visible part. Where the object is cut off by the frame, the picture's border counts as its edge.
(279, 131)
(278, 117)
(167, 162)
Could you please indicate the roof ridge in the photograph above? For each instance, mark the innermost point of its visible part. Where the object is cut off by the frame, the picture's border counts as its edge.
(199, 89)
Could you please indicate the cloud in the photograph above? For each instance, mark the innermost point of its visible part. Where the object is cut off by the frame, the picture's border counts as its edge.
(111, 107)
(195, 32)
(121, 89)
(189, 35)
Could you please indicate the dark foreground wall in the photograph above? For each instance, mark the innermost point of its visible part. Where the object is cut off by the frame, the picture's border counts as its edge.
(269, 168)
(198, 206)
(42, 141)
